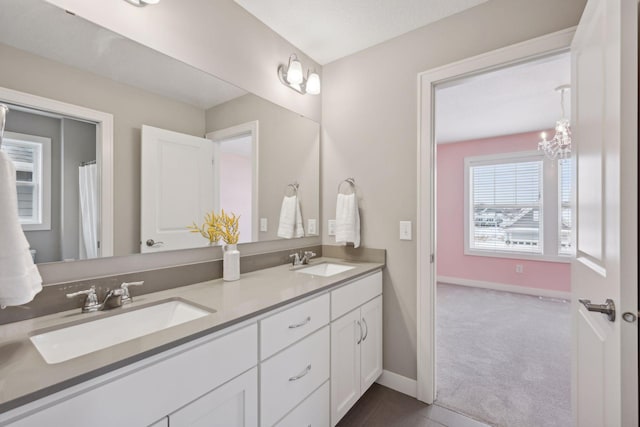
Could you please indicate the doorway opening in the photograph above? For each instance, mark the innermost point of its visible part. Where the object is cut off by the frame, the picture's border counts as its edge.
(236, 154)
(503, 245)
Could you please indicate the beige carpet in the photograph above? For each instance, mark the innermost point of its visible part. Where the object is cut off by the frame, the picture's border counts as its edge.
(503, 358)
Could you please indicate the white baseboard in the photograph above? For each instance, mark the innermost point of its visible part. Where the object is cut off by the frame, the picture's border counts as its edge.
(398, 383)
(505, 287)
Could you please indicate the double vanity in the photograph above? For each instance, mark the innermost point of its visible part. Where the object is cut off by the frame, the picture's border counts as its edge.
(279, 347)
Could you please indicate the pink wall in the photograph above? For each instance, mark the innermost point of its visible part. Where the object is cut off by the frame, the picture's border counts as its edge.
(452, 261)
(235, 190)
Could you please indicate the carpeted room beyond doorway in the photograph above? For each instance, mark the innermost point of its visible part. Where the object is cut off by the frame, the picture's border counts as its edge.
(503, 358)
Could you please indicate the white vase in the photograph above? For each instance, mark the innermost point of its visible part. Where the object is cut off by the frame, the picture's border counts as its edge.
(231, 263)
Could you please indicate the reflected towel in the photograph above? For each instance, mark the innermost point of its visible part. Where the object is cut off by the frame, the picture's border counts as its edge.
(347, 220)
(290, 218)
(20, 280)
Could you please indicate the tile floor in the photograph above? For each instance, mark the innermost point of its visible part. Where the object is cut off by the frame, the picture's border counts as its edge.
(382, 407)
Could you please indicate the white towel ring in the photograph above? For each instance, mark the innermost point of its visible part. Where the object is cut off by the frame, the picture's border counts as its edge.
(352, 185)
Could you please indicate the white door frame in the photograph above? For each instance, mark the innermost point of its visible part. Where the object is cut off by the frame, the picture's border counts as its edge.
(252, 128)
(426, 237)
(104, 151)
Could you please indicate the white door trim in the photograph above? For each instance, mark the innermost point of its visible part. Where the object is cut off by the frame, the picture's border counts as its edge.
(104, 151)
(426, 238)
(241, 129)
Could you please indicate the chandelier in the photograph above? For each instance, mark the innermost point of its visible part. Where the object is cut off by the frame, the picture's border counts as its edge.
(560, 145)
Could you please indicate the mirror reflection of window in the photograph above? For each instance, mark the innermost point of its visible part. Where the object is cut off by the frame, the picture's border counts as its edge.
(31, 156)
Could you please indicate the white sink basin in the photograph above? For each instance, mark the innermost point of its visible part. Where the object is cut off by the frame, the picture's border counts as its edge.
(325, 269)
(67, 343)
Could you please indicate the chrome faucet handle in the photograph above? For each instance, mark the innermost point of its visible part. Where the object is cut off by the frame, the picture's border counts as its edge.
(126, 296)
(295, 258)
(307, 256)
(90, 302)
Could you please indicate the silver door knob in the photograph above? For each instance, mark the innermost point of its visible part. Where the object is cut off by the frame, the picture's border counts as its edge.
(608, 308)
(153, 244)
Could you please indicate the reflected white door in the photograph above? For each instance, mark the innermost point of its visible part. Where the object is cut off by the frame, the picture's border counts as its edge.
(604, 78)
(177, 188)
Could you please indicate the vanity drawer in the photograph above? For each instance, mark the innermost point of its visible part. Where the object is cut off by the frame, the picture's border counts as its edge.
(288, 326)
(313, 412)
(356, 293)
(291, 376)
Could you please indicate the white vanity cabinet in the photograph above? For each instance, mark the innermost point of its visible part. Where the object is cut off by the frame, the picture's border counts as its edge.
(143, 393)
(234, 404)
(356, 342)
(304, 364)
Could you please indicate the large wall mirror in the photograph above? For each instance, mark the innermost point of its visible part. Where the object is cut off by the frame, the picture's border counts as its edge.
(181, 143)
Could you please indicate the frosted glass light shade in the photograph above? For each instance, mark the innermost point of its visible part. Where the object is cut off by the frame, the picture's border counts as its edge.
(313, 84)
(294, 73)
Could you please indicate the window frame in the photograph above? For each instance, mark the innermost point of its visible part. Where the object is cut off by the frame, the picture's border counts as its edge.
(549, 207)
(43, 174)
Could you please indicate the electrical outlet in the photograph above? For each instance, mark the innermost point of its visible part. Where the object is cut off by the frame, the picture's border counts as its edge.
(263, 224)
(311, 227)
(519, 268)
(405, 230)
(331, 227)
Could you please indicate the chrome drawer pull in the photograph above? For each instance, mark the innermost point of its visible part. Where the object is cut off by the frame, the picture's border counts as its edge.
(301, 374)
(304, 322)
(366, 329)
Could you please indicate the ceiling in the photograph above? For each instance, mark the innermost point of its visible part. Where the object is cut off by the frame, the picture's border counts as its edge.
(327, 30)
(516, 99)
(61, 37)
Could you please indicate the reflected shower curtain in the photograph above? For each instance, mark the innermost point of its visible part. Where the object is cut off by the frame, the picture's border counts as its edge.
(89, 211)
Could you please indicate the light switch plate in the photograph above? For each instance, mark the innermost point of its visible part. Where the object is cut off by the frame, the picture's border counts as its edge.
(263, 224)
(312, 227)
(405, 230)
(331, 228)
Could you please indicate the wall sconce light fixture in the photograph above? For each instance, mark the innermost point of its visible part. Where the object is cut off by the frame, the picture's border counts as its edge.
(292, 76)
(141, 3)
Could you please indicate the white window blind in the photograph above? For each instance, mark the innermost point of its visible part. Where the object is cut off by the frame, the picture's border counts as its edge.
(26, 159)
(506, 206)
(31, 157)
(565, 209)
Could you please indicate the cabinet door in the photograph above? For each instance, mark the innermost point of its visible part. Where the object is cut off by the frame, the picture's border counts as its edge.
(371, 346)
(234, 404)
(346, 335)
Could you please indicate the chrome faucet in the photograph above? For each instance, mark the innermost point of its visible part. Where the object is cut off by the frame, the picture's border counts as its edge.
(113, 299)
(301, 258)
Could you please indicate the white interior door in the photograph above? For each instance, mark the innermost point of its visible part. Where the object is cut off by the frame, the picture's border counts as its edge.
(605, 351)
(177, 188)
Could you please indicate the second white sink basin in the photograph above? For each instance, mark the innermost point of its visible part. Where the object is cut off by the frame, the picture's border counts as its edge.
(67, 343)
(326, 269)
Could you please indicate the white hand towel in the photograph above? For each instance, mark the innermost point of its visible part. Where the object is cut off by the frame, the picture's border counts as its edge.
(290, 218)
(347, 220)
(20, 280)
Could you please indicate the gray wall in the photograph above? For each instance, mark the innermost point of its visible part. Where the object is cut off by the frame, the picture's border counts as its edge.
(217, 36)
(45, 242)
(78, 145)
(131, 107)
(288, 150)
(369, 109)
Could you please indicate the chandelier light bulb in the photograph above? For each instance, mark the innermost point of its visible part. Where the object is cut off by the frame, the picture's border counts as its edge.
(560, 145)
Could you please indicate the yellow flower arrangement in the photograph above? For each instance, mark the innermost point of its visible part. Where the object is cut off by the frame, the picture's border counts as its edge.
(227, 226)
(216, 227)
(210, 228)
